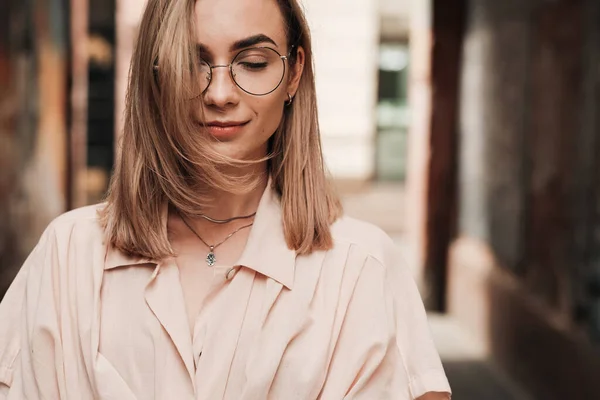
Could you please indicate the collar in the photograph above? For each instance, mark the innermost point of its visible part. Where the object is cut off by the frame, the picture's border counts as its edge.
(266, 251)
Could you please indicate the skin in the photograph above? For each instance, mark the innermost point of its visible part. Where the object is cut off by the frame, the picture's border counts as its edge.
(220, 23)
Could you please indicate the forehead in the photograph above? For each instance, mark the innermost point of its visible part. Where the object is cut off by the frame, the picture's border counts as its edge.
(219, 23)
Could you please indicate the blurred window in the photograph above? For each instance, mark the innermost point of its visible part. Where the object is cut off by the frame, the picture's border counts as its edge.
(392, 111)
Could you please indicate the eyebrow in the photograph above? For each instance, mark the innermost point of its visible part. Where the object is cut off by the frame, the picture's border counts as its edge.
(243, 43)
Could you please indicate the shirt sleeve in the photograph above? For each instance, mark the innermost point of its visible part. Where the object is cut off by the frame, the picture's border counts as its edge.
(29, 345)
(385, 350)
(413, 340)
(12, 314)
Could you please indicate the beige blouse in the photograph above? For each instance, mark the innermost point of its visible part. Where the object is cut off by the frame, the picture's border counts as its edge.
(84, 321)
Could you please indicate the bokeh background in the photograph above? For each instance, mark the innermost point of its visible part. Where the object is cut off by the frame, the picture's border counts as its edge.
(467, 129)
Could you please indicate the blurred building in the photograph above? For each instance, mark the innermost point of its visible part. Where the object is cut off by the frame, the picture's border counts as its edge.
(500, 150)
(503, 180)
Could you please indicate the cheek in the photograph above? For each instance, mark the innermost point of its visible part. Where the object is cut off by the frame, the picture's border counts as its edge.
(269, 115)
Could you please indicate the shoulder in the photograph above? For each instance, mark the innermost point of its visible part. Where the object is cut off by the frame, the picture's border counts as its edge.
(70, 244)
(79, 228)
(84, 220)
(368, 238)
(379, 261)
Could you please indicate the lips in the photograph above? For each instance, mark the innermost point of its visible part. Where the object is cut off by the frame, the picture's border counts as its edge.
(225, 124)
(225, 129)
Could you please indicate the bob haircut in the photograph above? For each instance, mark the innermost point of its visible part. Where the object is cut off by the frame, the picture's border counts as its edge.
(164, 160)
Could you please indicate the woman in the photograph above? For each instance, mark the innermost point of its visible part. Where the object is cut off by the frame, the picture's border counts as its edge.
(220, 266)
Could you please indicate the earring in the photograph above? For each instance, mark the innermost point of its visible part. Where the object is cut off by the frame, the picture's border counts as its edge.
(290, 101)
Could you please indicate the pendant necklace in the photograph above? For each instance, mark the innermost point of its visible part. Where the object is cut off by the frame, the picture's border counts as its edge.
(211, 259)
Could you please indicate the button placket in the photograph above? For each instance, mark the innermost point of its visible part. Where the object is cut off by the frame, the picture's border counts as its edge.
(198, 340)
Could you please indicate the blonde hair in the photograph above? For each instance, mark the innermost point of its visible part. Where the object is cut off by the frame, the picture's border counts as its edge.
(162, 158)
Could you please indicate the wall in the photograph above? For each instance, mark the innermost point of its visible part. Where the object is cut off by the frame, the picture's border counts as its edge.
(523, 270)
(346, 37)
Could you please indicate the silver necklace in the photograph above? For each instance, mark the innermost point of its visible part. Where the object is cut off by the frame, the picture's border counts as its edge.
(211, 259)
(225, 221)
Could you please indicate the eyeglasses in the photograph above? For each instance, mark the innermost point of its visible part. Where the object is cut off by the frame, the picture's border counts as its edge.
(257, 71)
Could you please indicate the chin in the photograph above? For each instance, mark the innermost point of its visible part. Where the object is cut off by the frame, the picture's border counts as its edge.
(238, 151)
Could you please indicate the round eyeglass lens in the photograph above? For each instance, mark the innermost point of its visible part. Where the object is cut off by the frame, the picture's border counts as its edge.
(257, 71)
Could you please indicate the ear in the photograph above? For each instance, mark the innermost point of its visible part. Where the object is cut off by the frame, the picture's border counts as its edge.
(296, 72)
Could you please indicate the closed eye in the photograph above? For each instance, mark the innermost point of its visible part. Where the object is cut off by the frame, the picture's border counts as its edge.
(253, 66)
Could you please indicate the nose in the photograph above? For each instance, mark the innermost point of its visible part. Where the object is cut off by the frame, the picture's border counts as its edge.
(222, 91)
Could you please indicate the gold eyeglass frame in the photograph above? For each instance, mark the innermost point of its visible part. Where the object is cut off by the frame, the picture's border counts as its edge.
(231, 74)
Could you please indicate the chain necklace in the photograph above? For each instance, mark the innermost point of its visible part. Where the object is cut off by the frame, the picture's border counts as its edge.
(211, 259)
(225, 221)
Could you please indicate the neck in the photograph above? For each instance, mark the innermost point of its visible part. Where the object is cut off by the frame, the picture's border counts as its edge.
(226, 205)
